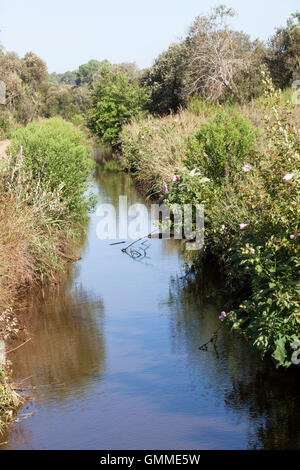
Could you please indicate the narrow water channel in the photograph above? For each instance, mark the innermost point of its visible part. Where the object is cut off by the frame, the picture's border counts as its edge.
(114, 360)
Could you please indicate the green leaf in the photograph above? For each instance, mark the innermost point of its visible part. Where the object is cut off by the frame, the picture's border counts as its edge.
(280, 352)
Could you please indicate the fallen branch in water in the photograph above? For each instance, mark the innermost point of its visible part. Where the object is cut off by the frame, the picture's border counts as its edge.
(141, 250)
(138, 240)
(212, 340)
(20, 345)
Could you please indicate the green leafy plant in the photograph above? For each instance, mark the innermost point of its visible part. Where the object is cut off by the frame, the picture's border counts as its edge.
(115, 100)
(58, 155)
(221, 145)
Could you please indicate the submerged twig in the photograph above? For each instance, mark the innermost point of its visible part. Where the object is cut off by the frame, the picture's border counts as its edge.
(141, 251)
(212, 340)
(138, 240)
(20, 345)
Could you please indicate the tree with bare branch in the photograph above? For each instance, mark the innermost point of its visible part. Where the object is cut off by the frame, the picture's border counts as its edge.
(216, 56)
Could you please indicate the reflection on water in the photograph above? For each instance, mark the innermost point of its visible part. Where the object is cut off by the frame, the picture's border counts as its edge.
(114, 360)
(266, 399)
(67, 344)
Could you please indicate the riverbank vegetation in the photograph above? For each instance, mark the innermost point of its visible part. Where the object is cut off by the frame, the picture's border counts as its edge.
(44, 178)
(239, 158)
(242, 163)
(43, 184)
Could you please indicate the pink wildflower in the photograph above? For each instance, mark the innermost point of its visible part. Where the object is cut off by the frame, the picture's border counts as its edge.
(242, 226)
(164, 188)
(288, 177)
(292, 237)
(175, 178)
(247, 168)
(222, 316)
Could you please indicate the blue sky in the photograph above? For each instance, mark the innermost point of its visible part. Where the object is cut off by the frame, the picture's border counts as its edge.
(67, 33)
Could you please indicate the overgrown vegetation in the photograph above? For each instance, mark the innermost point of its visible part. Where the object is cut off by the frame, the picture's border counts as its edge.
(43, 180)
(114, 101)
(220, 64)
(57, 155)
(43, 207)
(248, 181)
(212, 61)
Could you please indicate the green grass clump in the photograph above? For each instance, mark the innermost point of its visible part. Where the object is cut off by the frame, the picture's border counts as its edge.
(58, 156)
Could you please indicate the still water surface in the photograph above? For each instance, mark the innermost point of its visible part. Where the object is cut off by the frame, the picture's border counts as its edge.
(114, 360)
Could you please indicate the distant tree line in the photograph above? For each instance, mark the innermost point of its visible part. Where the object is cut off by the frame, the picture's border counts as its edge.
(212, 61)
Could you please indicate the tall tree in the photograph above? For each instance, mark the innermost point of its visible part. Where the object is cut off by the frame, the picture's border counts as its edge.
(216, 56)
(114, 101)
(166, 79)
(284, 59)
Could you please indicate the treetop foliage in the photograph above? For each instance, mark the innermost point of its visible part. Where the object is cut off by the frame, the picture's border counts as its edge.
(212, 61)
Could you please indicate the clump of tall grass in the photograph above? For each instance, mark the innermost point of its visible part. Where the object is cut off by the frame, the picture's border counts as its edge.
(35, 228)
(43, 202)
(153, 147)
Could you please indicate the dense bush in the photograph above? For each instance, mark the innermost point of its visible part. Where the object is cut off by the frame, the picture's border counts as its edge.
(23, 78)
(63, 100)
(58, 156)
(166, 80)
(220, 145)
(7, 124)
(115, 100)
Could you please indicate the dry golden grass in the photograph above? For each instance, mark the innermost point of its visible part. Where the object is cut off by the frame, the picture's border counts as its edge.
(36, 236)
(16, 262)
(159, 144)
(3, 146)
